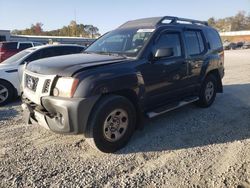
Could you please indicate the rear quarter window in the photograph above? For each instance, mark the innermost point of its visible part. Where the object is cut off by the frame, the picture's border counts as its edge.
(214, 39)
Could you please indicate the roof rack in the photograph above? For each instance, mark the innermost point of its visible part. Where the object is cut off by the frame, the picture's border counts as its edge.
(156, 21)
(176, 20)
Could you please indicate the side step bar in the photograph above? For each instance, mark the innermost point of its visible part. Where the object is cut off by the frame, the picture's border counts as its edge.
(165, 109)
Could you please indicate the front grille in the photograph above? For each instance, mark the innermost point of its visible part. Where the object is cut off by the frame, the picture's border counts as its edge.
(31, 82)
(46, 86)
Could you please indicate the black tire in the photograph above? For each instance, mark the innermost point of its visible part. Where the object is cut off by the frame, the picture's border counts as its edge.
(9, 94)
(95, 133)
(205, 101)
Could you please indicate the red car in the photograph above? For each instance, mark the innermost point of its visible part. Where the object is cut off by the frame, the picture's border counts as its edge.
(8, 49)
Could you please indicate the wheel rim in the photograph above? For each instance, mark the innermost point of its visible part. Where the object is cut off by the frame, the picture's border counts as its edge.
(115, 125)
(209, 92)
(3, 93)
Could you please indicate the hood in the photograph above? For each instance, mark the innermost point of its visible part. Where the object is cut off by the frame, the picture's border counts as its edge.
(69, 64)
(8, 67)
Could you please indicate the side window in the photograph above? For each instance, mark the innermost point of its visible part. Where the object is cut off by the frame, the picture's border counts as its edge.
(170, 40)
(75, 50)
(2, 38)
(214, 39)
(48, 52)
(10, 45)
(35, 56)
(37, 44)
(23, 46)
(201, 43)
(59, 51)
(66, 50)
(194, 42)
(78, 49)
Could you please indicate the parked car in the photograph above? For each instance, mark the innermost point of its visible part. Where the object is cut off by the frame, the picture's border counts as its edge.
(142, 69)
(230, 46)
(246, 45)
(11, 69)
(239, 45)
(8, 49)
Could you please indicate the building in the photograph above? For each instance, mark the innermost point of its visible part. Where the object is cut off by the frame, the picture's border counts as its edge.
(5, 35)
(236, 36)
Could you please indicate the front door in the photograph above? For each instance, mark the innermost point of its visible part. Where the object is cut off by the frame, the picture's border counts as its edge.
(165, 78)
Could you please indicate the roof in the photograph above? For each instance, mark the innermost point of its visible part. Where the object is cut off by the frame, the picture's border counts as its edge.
(52, 45)
(154, 22)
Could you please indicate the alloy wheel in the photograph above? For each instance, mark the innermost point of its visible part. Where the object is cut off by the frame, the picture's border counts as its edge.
(3, 93)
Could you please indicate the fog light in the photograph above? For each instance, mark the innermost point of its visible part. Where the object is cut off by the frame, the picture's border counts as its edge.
(59, 117)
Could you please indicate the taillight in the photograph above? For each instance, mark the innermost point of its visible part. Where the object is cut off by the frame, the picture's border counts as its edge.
(222, 54)
(1, 55)
(221, 58)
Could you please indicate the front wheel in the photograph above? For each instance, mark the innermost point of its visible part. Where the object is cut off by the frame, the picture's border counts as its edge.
(6, 92)
(111, 124)
(208, 91)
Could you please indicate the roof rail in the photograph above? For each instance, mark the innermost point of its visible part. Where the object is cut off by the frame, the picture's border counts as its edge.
(176, 20)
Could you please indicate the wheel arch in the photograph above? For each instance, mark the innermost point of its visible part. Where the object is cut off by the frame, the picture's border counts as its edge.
(215, 72)
(13, 87)
(130, 95)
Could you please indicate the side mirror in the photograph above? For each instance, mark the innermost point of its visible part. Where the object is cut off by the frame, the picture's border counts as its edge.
(164, 52)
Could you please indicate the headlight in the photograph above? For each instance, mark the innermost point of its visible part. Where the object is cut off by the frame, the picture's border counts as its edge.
(65, 87)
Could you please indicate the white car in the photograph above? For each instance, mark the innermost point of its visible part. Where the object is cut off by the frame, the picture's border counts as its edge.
(11, 69)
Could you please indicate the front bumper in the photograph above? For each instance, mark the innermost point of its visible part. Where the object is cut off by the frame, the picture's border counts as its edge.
(61, 115)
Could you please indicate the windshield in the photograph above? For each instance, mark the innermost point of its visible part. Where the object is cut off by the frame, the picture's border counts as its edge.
(16, 57)
(127, 42)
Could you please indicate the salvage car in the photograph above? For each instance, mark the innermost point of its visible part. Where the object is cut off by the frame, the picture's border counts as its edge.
(11, 69)
(144, 68)
(246, 45)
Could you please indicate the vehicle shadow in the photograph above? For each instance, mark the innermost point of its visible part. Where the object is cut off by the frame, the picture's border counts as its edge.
(227, 120)
(10, 110)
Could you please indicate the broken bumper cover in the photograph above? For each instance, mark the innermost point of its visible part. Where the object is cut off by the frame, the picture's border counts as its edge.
(61, 115)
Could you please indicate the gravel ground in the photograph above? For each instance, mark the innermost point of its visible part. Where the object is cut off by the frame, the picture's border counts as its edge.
(188, 147)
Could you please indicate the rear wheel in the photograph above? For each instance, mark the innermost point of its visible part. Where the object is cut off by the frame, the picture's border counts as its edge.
(208, 91)
(111, 124)
(6, 92)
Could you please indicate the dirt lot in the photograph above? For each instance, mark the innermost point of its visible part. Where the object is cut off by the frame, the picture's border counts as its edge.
(189, 147)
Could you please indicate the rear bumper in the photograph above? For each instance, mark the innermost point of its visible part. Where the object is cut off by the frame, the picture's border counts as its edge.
(61, 115)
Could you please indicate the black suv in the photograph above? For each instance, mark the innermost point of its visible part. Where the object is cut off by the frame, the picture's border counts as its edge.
(144, 68)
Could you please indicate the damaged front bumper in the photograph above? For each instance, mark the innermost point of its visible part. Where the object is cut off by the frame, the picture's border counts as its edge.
(61, 115)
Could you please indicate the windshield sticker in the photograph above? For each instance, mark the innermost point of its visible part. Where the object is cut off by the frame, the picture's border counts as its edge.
(145, 30)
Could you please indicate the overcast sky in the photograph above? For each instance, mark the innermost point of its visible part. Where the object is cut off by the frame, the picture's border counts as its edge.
(109, 14)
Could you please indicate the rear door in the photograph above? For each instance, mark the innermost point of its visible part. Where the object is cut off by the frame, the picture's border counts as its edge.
(196, 50)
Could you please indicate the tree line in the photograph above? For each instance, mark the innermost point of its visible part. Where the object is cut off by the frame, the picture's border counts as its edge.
(72, 30)
(239, 22)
